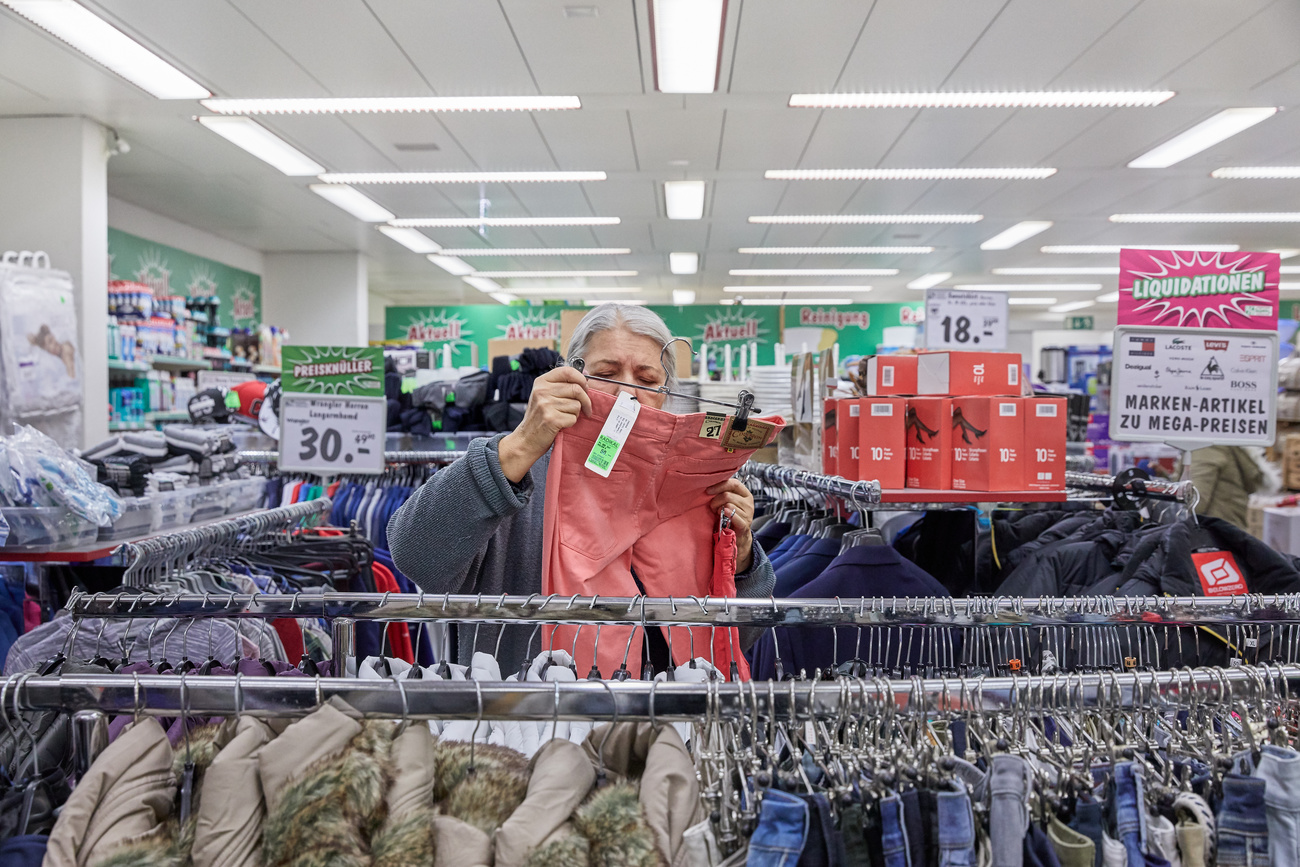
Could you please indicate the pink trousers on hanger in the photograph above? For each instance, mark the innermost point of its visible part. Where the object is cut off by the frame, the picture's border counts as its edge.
(652, 515)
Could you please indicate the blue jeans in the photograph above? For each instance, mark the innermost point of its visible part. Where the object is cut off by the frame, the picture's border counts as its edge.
(782, 829)
(1280, 769)
(1088, 822)
(956, 830)
(893, 833)
(1130, 812)
(1009, 785)
(1242, 825)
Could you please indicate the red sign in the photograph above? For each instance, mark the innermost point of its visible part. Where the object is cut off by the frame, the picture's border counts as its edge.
(1219, 573)
(1190, 289)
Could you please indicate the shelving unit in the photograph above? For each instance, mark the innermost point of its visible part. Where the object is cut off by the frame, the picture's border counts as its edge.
(169, 362)
(266, 369)
(173, 415)
(117, 364)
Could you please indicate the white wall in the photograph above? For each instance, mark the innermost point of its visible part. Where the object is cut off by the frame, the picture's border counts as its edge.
(135, 220)
(321, 298)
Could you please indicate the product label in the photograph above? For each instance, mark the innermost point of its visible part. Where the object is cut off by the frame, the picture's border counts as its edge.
(1007, 410)
(886, 409)
(755, 435)
(613, 436)
(1219, 573)
(713, 424)
(855, 410)
(887, 376)
(1013, 374)
(1045, 410)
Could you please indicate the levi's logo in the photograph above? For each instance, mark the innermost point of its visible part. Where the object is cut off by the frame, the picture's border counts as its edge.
(1219, 573)
(1216, 346)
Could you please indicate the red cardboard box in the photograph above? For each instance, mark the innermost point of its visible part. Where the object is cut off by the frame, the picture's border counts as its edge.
(988, 444)
(829, 449)
(847, 412)
(882, 440)
(929, 442)
(958, 374)
(1045, 434)
(891, 374)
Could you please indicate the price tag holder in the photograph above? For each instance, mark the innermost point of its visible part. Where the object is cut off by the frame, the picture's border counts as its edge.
(332, 434)
(965, 320)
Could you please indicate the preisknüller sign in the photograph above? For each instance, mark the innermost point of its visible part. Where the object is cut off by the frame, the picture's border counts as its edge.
(1194, 387)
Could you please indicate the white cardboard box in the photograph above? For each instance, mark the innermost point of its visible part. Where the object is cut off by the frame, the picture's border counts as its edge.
(1282, 529)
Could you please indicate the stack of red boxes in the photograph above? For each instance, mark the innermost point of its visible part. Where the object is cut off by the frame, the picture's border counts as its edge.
(948, 421)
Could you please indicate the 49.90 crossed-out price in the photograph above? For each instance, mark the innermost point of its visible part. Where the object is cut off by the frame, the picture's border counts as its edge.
(329, 434)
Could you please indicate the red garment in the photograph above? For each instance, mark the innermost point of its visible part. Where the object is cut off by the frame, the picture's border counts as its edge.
(726, 642)
(31, 614)
(652, 515)
(399, 636)
(291, 637)
(332, 490)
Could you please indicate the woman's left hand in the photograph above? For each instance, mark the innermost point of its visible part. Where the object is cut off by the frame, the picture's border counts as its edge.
(733, 496)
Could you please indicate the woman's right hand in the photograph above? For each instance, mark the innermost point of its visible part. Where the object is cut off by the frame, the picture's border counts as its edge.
(558, 397)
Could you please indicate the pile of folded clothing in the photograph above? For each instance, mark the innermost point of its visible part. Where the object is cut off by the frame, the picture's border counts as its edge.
(178, 456)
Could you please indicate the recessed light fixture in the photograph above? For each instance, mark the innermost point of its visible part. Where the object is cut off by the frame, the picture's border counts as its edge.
(417, 147)
(1113, 249)
(683, 297)
(520, 275)
(355, 202)
(1290, 269)
(864, 219)
(475, 222)
(372, 104)
(986, 99)
(451, 264)
(929, 281)
(686, 44)
(813, 272)
(412, 240)
(513, 252)
(1031, 302)
(262, 143)
(573, 291)
(781, 302)
(1288, 286)
(596, 302)
(109, 47)
(684, 200)
(1030, 287)
(1021, 231)
(458, 177)
(833, 251)
(1071, 306)
(1234, 217)
(907, 174)
(482, 284)
(1108, 298)
(743, 289)
(1257, 172)
(684, 263)
(1205, 134)
(581, 11)
(1099, 271)
(1286, 252)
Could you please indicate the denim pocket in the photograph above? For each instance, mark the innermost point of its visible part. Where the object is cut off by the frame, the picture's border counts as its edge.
(1242, 850)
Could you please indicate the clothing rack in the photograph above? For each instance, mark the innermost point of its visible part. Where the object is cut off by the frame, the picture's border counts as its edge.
(394, 457)
(216, 538)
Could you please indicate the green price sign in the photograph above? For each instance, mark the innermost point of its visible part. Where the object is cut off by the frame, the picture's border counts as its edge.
(345, 371)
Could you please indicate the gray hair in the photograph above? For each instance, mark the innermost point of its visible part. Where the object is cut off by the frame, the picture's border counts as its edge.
(637, 320)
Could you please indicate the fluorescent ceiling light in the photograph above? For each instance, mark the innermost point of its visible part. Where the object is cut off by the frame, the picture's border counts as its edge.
(1236, 217)
(411, 239)
(1205, 134)
(367, 104)
(511, 275)
(683, 297)
(907, 174)
(475, 222)
(1031, 302)
(353, 201)
(1099, 271)
(686, 43)
(1286, 252)
(1069, 249)
(109, 47)
(743, 289)
(975, 99)
(927, 281)
(482, 284)
(864, 219)
(263, 144)
(541, 251)
(596, 302)
(1250, 172)
(1029, 287)
(684, 263)
(1290, 269)
(503, 297)
(1021, 231)
(573, 291)
(832, 251)
(1108, 298)
(1071, 306)
(451, 265)
(684, 200)
(779, 302)
(813, 272)
(1288, 285)
(457, 177)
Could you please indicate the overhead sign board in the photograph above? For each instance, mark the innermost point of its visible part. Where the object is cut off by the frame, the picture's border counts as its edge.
(1191, 289)
(955, 319)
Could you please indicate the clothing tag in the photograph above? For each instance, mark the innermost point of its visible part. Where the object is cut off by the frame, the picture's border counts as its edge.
(887, 376)
(754, 436)
(713, 425)
(606, 449)
(1219, 573)
(855, 410)
(1013, 374)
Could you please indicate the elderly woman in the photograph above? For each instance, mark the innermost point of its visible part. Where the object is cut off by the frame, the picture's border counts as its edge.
(476, 526)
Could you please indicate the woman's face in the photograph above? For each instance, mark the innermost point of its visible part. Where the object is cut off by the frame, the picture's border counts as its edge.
(619, 354)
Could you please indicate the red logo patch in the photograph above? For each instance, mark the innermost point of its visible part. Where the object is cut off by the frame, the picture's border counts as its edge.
(1219, 573)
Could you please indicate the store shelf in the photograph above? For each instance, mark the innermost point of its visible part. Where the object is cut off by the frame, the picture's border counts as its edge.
(926, 495)
(169, 362)
(128, 366)
(267, 369)
(118, 427)
(171, 415)
(99, 550)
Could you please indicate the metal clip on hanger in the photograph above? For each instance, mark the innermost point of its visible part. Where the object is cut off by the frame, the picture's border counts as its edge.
(743, 408)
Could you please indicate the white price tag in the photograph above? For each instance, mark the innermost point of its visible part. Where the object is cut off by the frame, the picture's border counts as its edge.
(965, 320)
(332, 434)
(605, 451)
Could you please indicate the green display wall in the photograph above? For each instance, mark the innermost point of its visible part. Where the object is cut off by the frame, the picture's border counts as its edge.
(858, 328)
(174, 272)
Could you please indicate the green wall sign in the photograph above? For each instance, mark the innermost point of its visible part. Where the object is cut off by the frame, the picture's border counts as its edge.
(174, 272)
(1079, 323)
(347, 371)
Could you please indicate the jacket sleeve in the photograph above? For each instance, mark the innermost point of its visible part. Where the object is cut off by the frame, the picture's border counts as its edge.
(438, 535)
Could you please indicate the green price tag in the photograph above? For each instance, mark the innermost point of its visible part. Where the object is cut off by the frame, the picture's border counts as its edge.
(603, 452)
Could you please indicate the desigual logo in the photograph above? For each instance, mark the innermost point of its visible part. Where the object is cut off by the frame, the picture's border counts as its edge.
(1137, 367)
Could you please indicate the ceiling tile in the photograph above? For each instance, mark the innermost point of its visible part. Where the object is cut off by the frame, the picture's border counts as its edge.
(578, 54)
